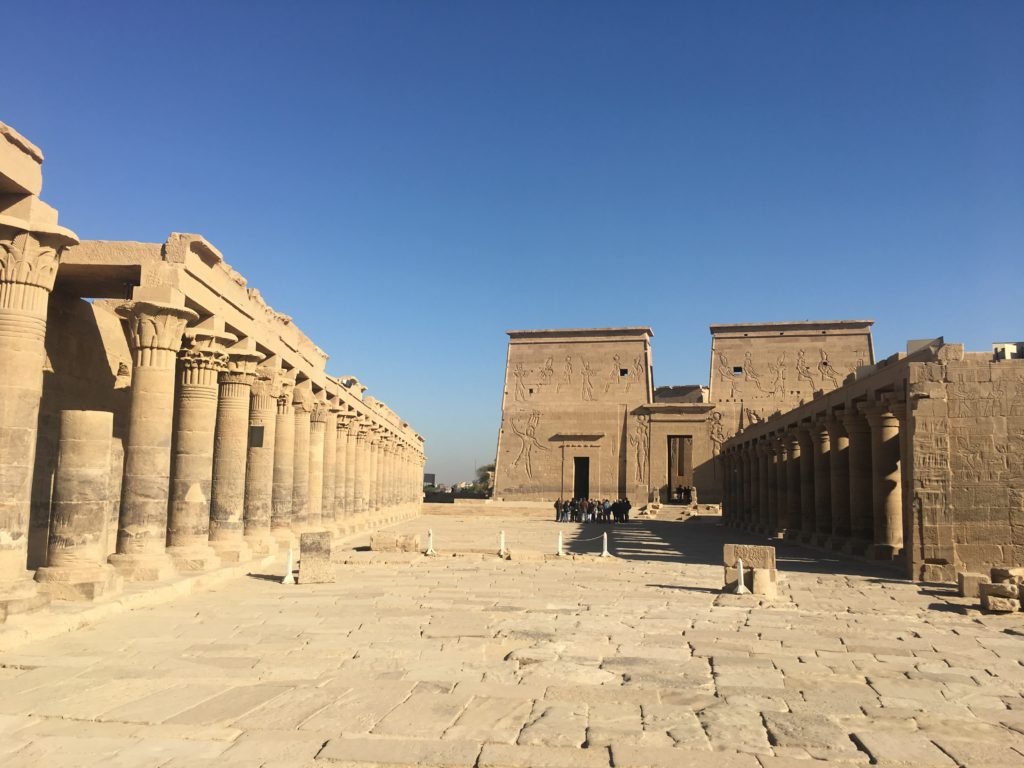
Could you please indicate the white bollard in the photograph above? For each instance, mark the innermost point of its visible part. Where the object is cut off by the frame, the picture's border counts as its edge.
(501, 545)
(560, 552)
(289, 568)
(430, 543)
(604, 545)
(741, 588)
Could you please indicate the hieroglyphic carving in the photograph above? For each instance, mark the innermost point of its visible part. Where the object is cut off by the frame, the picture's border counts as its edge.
(716, 432)
(518, 376)
(778, 371)
(566, 373)
(640, 441)
(826, 370)
(749, 372)
(587, 392)
(548, 372)
(613, 374)
(725, 374)
(528, 442)
(754, 417)
(803, 371)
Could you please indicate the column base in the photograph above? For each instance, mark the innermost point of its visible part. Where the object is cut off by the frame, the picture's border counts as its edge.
(857, 547)
(139, 567)
(883, 552)
(194, 557)
(232, 552)
(261, 544)
(21, 596)
(84, 583)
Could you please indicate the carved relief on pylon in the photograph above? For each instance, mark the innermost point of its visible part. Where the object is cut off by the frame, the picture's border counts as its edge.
(640, 442)
(526, 430)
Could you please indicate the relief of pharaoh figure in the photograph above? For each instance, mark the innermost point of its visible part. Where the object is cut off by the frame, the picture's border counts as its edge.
(588, 385)
(639, 440)
(528, 442)
(519, 374)
(826, 370)
(803, 372)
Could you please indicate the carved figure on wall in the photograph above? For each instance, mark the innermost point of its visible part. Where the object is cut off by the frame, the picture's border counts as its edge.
(754, 417)
(725, 373)
(640, 440)
(750, 373)
(826, 370)
(803, 371)
(1017, 406)
(778, 372)
(548, 372)
(716, 432)
(638, 367)
(528, 442)
(613, 374)
(519, 374)
(588, 385)
(566, 373)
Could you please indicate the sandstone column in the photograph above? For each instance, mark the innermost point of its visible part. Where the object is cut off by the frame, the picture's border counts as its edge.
(861, 504)
(76, 555)
(341, 473)
(329, 510)
(765, 476)
(28, 266)
(227, 529)
(284, 463)
(362, 469)
(259, 466)
(807, 515)
(352, 450)
(822, 455)
(782, 483)
(775, 491)
(887, 487)
(753, 488)
(793, 450)
(302, 402)
(317, 427)
(154, 334)
(839, 467)
(188, 522)
(373, 456)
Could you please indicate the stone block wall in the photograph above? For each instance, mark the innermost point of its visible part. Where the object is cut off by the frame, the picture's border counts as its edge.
(967, 443)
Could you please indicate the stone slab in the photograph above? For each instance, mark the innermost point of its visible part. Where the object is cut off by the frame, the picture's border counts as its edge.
(398, 753)
(315, 566)
(509, 756)
(753, 556)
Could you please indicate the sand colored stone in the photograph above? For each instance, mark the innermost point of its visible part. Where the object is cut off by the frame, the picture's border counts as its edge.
(315, 566)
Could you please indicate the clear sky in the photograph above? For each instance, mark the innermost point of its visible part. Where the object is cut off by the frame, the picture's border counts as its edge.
(409, 180)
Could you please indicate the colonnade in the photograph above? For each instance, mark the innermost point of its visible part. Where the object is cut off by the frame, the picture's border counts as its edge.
(832, 479)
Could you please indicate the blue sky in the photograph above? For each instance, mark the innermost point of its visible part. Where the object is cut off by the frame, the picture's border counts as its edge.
(408, 180)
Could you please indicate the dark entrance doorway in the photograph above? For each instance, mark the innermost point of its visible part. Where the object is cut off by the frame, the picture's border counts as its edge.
(680, 468)
(581, 477)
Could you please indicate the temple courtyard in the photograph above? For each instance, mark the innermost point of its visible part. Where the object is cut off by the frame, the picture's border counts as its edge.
(468, 659)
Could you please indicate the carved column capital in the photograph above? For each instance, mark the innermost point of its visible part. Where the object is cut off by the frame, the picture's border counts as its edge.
(318, 412)
(155, 331)
(285, 385)
(242, 363)
(28, 268)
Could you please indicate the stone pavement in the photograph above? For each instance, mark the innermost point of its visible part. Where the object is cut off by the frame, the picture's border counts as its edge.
(469, 660)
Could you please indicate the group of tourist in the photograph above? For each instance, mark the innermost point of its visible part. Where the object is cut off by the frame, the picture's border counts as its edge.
(592, 511)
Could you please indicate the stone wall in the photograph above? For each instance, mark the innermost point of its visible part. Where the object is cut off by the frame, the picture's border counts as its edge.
(967, 442)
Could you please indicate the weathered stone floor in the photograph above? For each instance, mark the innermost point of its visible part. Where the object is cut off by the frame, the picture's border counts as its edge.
(476, 661)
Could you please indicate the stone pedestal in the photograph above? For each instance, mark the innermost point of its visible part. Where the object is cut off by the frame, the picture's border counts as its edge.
(230, 452)
(259, 466)
(284, 464)
(76, 567)
(188, 524)
(302, 402)
(155, 330)
(28, 266)
(315, 565)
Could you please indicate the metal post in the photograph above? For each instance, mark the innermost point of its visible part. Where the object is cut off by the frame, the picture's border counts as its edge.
(289, 575)
(604, 545)
(560, 552)
(501, 545)
(430, 542)
(741, 588)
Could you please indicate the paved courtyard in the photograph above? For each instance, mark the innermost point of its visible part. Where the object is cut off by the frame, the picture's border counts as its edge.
(469, 660)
